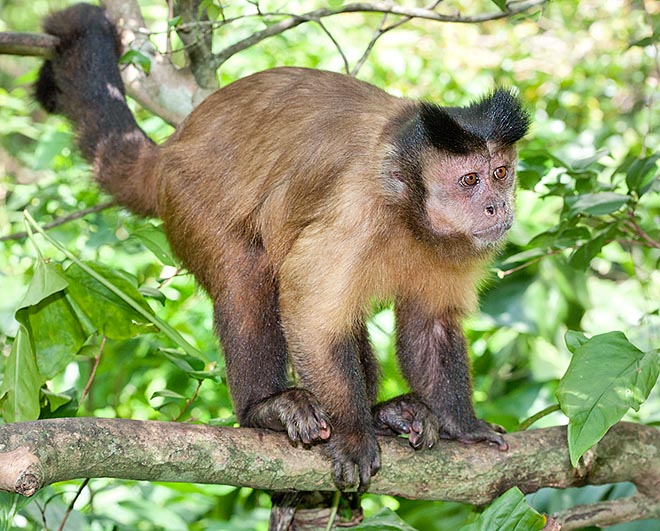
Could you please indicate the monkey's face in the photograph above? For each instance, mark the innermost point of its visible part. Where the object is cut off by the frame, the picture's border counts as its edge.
(469, 198)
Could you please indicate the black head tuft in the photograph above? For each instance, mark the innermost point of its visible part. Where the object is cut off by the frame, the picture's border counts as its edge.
(498, 117)
(445, 131)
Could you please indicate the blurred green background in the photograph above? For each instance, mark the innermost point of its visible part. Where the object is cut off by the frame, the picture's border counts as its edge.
(589, 72)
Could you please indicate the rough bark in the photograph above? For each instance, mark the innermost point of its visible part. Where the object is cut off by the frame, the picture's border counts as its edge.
(35, 454)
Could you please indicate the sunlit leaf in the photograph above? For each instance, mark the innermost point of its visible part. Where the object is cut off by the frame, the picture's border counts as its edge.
(597, 204)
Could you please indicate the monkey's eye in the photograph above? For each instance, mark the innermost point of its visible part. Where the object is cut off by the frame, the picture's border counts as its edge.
(500, 173)
(469, 179)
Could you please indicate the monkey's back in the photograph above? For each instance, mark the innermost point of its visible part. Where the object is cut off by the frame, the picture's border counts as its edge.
(257, 160)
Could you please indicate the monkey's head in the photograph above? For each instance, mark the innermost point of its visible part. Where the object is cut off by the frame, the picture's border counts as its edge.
(452, 170)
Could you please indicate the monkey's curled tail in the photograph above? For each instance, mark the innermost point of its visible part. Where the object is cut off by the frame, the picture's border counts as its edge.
(82, 82)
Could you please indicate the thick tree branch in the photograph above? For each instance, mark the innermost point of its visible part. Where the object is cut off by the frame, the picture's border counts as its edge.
(37, 44)
(35, 454)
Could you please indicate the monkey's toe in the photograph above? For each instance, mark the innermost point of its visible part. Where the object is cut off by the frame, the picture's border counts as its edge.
(480, 431)
(355, 459)
(405, 415)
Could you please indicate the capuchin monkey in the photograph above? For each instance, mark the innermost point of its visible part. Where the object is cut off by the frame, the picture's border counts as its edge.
(298, 198)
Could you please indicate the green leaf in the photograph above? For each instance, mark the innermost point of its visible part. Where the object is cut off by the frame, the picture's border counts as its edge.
(384, 520)
(21, 382)
(524, 256)
(153, 293)
(154, 239)
(606, 377)
(509, 512)
(642, 173)
(574, 340)
(52, 325)
(174, 22)
(134, 57)
(56, 400)
(501, 4)
(583, 255)
(597, 204)
(193, 366)
(112, 316)
(166, 393)
(47, 279)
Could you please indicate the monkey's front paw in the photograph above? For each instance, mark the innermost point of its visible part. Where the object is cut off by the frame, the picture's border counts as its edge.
(405, 415)
(295, 411)
(355, 458)
(478, 431)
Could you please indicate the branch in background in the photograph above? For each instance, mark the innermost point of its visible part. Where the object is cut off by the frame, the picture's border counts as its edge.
(172, 93)
(198, 41)
(295, 20)
(61, 221)
(382, 30)
(36, 454)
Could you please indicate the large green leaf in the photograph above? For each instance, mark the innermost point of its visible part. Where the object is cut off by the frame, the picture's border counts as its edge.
(56, 332)
(509, 512)
(606, 377)
(38, 315)
(112, 316)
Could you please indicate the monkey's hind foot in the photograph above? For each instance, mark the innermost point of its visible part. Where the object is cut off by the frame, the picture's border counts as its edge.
(295, 411)
(405, 415)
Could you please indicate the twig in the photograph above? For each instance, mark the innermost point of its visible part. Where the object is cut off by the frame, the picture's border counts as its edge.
(632, 224)
(347, 68)
(61, 221)
(382, 30)
(525, 424)
(70, 507)
(97, 360)
(190, 400)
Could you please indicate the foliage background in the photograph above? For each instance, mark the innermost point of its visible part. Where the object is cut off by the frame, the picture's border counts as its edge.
(589, 72)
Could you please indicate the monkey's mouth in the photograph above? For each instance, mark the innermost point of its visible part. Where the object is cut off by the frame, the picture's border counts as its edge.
(494, 232)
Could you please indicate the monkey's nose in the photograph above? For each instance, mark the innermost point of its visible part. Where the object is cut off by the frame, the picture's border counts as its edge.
(490, 210)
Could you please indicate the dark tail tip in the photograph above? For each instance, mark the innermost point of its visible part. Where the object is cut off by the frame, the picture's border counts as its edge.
(83, 30)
